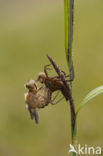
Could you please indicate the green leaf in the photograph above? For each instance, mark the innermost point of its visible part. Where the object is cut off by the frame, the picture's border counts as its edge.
(91, 95)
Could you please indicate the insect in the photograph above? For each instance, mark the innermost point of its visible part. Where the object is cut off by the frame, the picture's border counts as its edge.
(37, 98)
(54, 83)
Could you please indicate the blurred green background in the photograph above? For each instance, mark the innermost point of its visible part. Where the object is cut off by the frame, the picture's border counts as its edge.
(30, 29)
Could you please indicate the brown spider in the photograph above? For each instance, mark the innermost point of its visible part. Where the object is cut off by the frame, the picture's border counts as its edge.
(54, 83)
(37, 98)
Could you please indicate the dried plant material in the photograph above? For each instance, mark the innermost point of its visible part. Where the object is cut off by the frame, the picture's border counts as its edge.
(36, 98)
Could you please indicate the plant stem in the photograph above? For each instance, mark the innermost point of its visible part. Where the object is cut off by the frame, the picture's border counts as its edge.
(69, 18)
(70, 37)
(70, 99)
(66, 9)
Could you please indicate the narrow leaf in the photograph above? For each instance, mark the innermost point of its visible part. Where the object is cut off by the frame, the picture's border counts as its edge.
(69, 14)
(91, 95)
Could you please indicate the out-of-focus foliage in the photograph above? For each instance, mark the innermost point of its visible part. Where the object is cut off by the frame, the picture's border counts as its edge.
(28, 31)
(90, 96)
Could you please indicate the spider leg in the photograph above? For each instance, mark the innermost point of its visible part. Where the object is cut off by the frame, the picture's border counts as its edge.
(55, 96)
(72, 78)
(41, 88)
(57, 101)
(52, 101)
(46, 68)
(65, 74)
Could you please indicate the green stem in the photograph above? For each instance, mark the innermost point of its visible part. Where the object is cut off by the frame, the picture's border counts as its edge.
(69, 14)
(70, 37)
(68, 10)
(74, 138)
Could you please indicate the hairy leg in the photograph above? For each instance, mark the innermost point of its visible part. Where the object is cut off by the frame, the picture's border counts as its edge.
(55, 96)
(46, 68)
(57, 101)
(52, 101)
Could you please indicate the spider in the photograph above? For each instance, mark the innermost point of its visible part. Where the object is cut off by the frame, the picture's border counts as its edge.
(37, 98)
(54, 83)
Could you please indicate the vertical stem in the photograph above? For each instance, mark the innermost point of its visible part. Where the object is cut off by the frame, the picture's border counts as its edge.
(66, 9)
(69, 14)
(70, 36)
(69, 17)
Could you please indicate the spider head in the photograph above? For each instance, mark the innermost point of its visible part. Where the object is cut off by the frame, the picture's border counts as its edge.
(31, 85)
(41, 77)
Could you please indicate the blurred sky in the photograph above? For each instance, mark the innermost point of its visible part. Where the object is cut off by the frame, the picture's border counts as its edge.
(29, 30)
